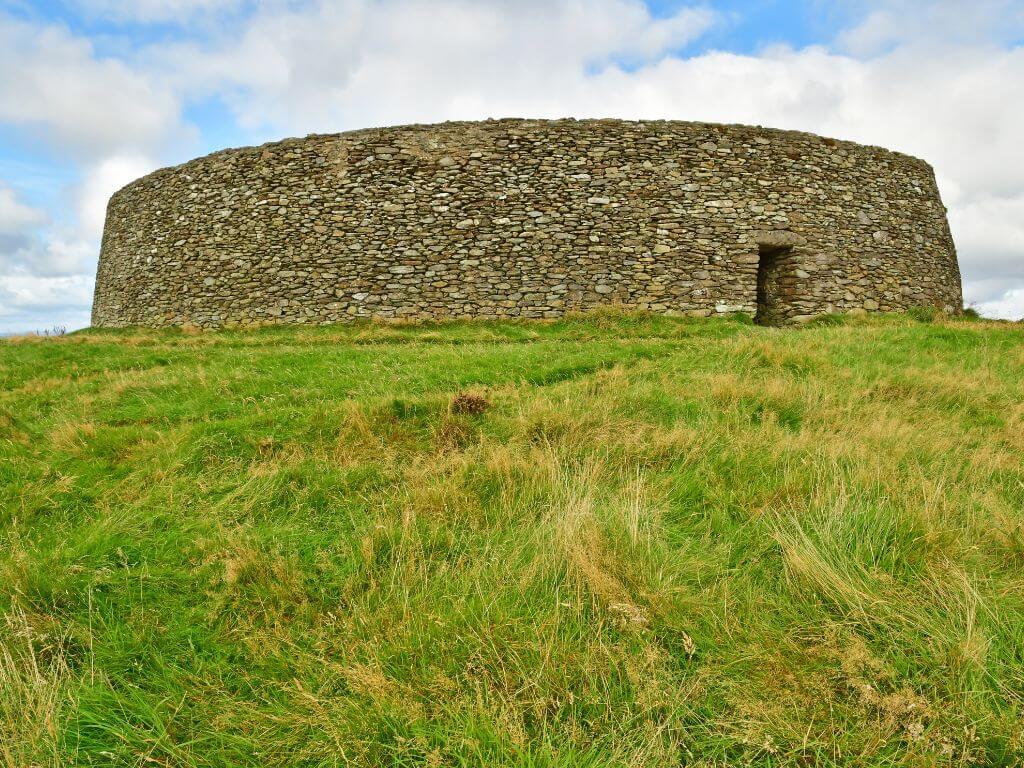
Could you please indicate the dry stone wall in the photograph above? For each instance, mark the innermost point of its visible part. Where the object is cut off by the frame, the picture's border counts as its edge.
(527, 218)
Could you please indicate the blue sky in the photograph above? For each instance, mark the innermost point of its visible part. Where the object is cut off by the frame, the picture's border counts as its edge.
(94, 93)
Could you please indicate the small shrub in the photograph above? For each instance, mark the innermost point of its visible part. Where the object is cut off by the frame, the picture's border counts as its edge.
(970, 313)
(470, 404)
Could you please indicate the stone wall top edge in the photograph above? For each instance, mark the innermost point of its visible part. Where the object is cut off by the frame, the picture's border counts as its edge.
(736, 129)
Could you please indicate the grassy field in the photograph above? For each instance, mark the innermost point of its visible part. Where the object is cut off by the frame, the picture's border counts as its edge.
(612, 540)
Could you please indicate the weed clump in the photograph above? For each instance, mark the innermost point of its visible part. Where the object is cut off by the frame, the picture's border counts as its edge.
(923, 314)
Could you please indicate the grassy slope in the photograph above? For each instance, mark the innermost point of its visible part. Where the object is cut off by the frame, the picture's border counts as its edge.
(666, 542)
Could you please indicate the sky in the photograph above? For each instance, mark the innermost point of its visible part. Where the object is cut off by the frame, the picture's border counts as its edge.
(95, 93)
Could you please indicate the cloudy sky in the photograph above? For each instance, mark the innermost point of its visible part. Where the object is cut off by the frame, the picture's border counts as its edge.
(94, 93)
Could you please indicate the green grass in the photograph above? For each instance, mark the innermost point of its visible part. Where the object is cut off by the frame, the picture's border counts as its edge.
(662, 543)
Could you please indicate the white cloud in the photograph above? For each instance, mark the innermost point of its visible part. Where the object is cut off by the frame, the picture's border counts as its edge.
(30, 303)
(992, 226)
(53, 252)
(941, 23)
(47, 267)
(16, 216)
(1009, 306)
(50, 256)
(54, 82)
(45, 279)
(873, 35)
(354, 62)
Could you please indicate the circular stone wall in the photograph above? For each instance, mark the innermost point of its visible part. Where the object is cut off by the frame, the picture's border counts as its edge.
(527, 218)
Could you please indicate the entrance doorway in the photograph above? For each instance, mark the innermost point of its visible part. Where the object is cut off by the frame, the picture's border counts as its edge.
(772, 286)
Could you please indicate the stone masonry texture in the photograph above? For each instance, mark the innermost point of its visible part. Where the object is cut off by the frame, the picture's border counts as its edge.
(527, 218)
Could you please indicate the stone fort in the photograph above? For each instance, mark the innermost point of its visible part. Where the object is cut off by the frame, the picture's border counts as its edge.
(527, 218)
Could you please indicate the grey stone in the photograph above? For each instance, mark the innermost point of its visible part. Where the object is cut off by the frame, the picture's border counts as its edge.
(778, 238)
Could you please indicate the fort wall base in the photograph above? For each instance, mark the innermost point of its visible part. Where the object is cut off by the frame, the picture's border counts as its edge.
(527, 218)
